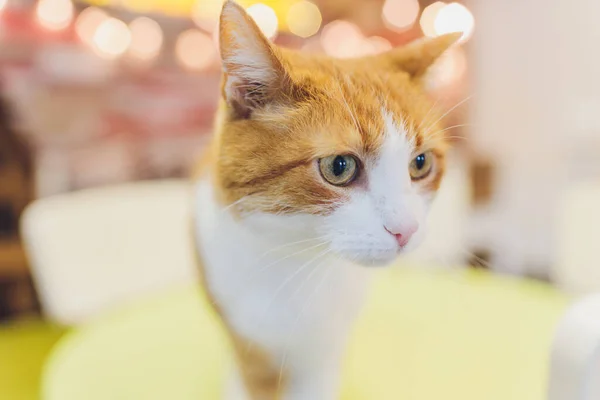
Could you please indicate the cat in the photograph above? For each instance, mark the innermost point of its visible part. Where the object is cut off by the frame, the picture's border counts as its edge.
(320, 170)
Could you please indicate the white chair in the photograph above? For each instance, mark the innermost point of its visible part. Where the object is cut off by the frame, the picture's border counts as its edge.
(575, 368)
(95, 249)
(577, 269)
(576, 355)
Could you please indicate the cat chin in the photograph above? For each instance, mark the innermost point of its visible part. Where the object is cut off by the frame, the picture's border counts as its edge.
(378, 263)
(367, 261)
(382, 260)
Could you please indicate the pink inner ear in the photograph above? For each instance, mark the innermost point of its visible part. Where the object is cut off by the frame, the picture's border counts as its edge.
(245, 97)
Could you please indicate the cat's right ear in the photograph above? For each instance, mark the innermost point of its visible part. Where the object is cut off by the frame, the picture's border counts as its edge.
(253, 73)
(417, 57)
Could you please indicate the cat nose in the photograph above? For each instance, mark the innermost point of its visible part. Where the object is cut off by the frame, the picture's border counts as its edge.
(403, 233)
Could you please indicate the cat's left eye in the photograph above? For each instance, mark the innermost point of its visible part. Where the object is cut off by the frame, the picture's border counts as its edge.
(339, 170)
(421, 166)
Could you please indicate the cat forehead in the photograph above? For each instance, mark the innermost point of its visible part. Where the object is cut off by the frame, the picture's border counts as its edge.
(370, 102)
(344, 119)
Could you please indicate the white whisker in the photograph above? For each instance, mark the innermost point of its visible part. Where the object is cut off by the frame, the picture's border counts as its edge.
(290, 256)
(427, 115)
(448, 112)
(298, 270)
(235, 203)
(449, 128)
(291, 244)
(312, 272)
(283, 285)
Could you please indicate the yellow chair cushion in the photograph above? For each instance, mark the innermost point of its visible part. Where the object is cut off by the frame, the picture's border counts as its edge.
(24, 346)
(423, 336)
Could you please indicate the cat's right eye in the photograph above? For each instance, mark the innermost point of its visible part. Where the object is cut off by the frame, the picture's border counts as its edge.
(339, 170)
(421, 166)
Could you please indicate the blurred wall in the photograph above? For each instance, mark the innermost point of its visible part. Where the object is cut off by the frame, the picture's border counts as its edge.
(535, 113)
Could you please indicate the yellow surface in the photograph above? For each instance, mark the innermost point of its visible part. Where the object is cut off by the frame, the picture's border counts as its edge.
(24, 346)
(424, 336)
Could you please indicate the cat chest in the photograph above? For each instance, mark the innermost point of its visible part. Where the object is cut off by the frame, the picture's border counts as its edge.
(275, 298)
(287, 304)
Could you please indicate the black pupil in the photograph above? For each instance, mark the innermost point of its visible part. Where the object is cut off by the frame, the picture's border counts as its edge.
(420, 161)
(339, 165)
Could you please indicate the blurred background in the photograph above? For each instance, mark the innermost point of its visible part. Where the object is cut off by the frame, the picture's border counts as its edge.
(104, 92)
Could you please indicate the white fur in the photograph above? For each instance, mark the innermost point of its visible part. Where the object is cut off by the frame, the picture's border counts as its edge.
(298, 301)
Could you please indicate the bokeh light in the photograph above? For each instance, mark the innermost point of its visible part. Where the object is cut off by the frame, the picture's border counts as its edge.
(304, 19)
(342, 39)
(455, 18)
(400, 14)
(428, 18)
(146, 38)
(3, 4)
(195, 50)
(205, 13)
(88, 22)
(265, 18)
(55, 14)
(112, 38)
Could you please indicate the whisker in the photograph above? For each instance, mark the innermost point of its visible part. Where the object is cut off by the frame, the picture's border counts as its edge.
(444, 138)
(298, 270)
(449, 128)
(448, 112)
(291, 244)
(290, 256)
(250, 272)
(427, 115)
(235, 203)
(283, 285)
(312, 272)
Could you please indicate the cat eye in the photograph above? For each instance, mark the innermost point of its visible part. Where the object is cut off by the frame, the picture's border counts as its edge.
(421, 166)
(339, 170)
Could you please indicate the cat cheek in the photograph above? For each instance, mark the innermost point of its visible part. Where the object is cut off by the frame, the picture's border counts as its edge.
(356, 232)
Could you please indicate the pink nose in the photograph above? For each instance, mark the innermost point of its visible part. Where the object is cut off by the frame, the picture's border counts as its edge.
(404, 234)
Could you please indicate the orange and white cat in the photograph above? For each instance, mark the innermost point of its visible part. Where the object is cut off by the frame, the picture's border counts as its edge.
(319, 170)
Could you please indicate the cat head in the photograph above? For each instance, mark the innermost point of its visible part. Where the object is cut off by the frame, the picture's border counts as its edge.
(310, 147)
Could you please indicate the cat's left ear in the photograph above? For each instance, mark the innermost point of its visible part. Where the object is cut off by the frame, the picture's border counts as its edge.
(416, 57)
(253, 73)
